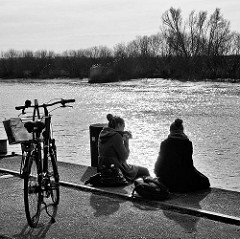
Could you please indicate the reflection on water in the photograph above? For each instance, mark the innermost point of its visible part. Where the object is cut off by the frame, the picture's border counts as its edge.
(210, 112)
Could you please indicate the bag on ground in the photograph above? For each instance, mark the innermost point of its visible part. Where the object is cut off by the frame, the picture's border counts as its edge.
(150, 188)
(108, 177)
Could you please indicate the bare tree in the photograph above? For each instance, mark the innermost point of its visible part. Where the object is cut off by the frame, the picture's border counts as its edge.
(175, 31)
(144, 45)
(99, 51)
(218, 34)
(198, 36)
(11, 54)
(27, 54)
(120, 51)
(197, 29)
(235, 43)
(133, 49)
(157, 44)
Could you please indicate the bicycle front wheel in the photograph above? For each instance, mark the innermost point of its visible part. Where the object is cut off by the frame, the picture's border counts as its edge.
(53, 177)
(32, 191)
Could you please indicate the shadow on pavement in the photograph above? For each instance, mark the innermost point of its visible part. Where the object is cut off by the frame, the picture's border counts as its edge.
(41, 230)
(87, 173)
(104, 206)
(186, 222)
(189, 223)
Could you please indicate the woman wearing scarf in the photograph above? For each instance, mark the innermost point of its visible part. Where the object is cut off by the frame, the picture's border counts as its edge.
(174, 165)
(113, 148)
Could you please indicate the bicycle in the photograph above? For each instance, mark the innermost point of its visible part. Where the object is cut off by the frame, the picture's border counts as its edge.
(39, 161)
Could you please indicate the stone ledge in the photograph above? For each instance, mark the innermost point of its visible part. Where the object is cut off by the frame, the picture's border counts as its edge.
(215, 204)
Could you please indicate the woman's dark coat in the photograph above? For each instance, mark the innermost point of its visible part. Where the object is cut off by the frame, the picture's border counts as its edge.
(175, 167)
(113, 151)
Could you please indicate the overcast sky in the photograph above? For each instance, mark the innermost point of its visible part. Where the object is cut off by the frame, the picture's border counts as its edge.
(60, 25)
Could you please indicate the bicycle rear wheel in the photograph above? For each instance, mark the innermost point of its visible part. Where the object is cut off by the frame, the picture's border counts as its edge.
(53, 177)
(32, 191)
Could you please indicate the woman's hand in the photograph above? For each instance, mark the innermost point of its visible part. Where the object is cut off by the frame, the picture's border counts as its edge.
(127, 135)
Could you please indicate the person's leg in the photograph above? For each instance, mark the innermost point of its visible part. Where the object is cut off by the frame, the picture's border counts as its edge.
(199, 181)
(142, 171)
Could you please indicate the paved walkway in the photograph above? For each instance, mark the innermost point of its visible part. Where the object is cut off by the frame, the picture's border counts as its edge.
(215, 205)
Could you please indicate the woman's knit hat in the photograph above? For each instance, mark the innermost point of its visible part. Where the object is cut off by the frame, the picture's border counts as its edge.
(177, 126)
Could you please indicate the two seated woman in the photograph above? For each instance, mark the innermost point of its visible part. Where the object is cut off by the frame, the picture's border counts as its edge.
(174, 165)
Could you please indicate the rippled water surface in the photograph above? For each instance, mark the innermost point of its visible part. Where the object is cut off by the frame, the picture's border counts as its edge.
(210, 112)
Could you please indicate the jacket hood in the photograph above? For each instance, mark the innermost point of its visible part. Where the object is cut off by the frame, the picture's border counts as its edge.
(107, 133)
(180, 136)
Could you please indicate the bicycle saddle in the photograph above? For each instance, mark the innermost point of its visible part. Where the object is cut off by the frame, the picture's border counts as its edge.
(36, 125)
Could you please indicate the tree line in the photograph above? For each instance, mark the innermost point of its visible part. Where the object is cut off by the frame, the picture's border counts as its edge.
(199, 47)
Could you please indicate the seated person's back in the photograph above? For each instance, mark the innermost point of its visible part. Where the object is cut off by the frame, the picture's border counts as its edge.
(174, 165)
(113, 148)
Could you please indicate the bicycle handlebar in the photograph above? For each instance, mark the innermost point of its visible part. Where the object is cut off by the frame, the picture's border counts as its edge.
(28, 104)
(20, 107)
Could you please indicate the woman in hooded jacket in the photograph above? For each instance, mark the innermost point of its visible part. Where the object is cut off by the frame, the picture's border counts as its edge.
(113, 148)
(174, 165)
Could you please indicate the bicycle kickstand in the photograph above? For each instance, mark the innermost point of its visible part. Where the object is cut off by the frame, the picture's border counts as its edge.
(52, 218)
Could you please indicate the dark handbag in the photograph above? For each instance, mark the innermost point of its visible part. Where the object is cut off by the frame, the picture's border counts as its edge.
(108, 177)
(150, 188)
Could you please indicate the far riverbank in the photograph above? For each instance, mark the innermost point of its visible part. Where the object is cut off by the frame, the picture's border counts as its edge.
(201, 68)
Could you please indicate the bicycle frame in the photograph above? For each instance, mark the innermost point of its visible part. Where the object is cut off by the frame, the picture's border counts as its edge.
(47, 140)
(46, 134)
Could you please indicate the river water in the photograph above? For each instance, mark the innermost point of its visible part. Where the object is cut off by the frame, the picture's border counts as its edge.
(210, 112)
